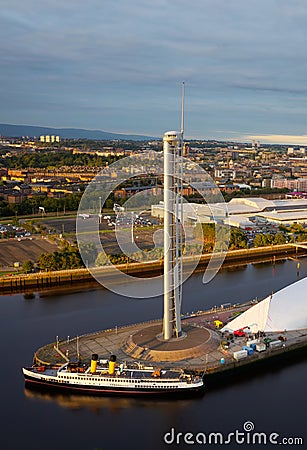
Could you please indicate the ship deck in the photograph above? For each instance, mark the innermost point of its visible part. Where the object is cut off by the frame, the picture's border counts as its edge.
(126, 373)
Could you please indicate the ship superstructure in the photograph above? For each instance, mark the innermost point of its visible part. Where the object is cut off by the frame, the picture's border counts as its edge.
(112, 378)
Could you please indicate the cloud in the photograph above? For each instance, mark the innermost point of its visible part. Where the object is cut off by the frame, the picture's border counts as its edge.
(280, 139)
(244, 63)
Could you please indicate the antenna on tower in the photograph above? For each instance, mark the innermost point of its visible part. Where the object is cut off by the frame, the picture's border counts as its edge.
(182, 110)
(179, 206)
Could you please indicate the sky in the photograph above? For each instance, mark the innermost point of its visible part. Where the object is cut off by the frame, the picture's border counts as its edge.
(118, 66)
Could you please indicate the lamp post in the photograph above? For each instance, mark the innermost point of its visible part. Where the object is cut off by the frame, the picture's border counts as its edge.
(100, 210)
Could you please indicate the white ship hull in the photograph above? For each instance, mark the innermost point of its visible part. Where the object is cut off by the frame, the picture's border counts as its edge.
(130, 382)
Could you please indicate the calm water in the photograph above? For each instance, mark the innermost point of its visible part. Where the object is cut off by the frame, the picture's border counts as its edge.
(273, 399)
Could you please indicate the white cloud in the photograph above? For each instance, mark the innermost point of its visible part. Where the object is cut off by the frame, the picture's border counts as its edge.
(244, 63)
(279, 139)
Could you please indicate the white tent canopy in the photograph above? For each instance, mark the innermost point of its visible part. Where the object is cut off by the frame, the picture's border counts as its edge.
(284, 310)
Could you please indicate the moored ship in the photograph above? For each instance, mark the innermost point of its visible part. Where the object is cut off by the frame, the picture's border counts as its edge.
(110, 378)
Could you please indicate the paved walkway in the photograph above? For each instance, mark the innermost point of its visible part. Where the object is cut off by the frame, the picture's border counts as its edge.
(201, 336)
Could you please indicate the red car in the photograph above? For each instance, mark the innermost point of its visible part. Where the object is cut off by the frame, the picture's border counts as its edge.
(239, 333)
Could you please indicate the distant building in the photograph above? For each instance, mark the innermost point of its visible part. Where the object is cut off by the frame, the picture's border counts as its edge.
(296, 151)
(266, 183)
(299, 184)
(224, 173)
(47, 138)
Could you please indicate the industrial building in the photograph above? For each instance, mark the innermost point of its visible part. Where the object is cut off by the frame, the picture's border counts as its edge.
(244, 212)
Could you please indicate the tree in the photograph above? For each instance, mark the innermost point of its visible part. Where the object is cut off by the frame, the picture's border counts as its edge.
(283, 228)
(109, 203)
(67, 258)
(279, 239)
(101, 260)
(27, 266)
(262, 240)
(238, 239)
(47, 261)
(205, 231)
(297, 228)
(301, 237)
(89, 252)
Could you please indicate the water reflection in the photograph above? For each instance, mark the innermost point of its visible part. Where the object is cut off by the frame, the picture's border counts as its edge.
(113, 403)
(235, 268)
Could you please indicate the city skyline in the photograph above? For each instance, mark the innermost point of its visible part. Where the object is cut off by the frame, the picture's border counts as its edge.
(119, 67)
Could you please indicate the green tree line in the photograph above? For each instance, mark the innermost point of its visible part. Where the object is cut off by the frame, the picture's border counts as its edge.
(245, 192)
(261, 239)
(206, 231)
(55, 159)
(67, 258)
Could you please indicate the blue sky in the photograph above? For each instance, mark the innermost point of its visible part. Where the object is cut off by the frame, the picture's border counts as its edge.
(118, 66)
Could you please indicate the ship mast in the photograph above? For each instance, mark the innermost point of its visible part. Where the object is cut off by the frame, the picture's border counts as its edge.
(173, 223)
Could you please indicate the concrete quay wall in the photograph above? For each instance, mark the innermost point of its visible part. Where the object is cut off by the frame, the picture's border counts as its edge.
(38, 282)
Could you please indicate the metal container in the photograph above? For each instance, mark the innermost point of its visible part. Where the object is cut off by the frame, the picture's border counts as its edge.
(261, 347)
(275, 344)
(241, 354)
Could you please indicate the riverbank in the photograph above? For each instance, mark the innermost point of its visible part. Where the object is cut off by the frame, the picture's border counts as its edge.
(79, 278)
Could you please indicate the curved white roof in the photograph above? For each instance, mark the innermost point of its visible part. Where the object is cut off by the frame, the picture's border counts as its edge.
(284, 310)
(258, 203)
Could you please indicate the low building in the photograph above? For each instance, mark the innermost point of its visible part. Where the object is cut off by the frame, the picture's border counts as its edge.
(240, 210)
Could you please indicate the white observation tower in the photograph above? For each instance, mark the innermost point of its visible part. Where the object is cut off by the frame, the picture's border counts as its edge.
(172, 152)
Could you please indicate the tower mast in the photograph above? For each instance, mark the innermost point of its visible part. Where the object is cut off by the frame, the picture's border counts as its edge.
(173, 211)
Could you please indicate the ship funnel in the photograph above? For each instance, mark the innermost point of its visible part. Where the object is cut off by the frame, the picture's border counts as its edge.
(112, 364)
(94, 363)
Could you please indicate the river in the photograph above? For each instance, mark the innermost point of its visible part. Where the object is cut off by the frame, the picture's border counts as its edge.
(272, 399)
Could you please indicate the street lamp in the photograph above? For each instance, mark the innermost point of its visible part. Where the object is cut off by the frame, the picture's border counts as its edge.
(100, 210)
(132, 223)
